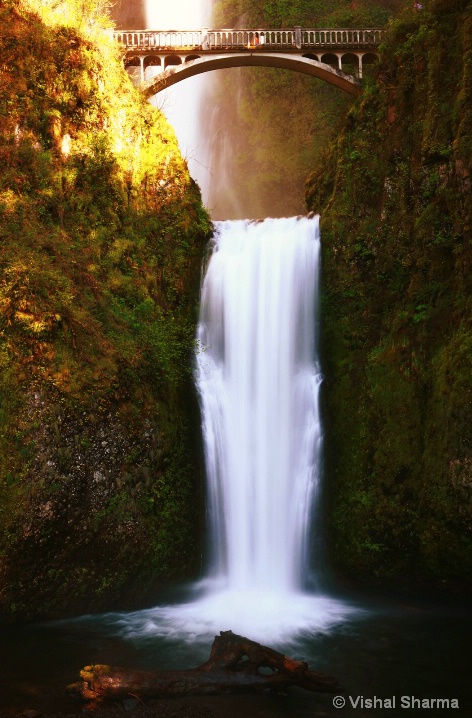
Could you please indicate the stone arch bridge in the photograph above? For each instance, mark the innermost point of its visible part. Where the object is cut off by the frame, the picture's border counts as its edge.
(159, 59)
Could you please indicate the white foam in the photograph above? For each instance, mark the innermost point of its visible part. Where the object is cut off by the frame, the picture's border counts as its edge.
(265, 616)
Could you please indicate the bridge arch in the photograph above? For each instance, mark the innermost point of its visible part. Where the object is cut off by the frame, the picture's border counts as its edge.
(177, 71)
(334, 55)
(369, 58)
(330, 58)
(171, 61)
(151, 61)
(351, 63)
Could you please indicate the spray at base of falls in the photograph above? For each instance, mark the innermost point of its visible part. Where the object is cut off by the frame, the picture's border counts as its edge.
(258, 378)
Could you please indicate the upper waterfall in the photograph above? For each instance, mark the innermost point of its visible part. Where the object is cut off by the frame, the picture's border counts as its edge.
(182, 105)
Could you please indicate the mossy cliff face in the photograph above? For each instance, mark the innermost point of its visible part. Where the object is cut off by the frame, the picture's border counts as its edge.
(395, 197)
(102, 233)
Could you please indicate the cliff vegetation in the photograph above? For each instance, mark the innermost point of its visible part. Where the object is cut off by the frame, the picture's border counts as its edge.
(394, 190)
(101, 232)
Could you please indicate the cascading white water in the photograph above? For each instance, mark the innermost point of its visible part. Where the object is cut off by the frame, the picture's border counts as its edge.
(258, 380)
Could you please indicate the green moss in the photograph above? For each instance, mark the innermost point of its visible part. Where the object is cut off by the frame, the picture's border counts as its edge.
(102, 234)
(396, 310)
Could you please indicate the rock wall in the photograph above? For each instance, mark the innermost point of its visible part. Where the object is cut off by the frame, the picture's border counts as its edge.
(102, 233)
(395, 196)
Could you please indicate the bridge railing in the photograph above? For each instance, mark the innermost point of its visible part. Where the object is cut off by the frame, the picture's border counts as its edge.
(230, 39)
(342, 38)
(160, 40)
(246, 38)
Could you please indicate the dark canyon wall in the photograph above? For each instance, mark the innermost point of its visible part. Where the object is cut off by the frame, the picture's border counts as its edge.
(394, 190)
(102, 233)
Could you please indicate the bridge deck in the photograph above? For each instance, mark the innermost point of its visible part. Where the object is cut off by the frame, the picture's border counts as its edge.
(231, 40)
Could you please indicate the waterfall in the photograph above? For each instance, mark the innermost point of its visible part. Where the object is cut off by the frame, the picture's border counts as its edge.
(223, 141)
(258, 379)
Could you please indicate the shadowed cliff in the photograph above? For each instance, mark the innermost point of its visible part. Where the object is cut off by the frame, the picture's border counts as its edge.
(395, 196)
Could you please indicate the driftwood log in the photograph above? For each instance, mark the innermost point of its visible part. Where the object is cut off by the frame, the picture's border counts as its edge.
(236, 665)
